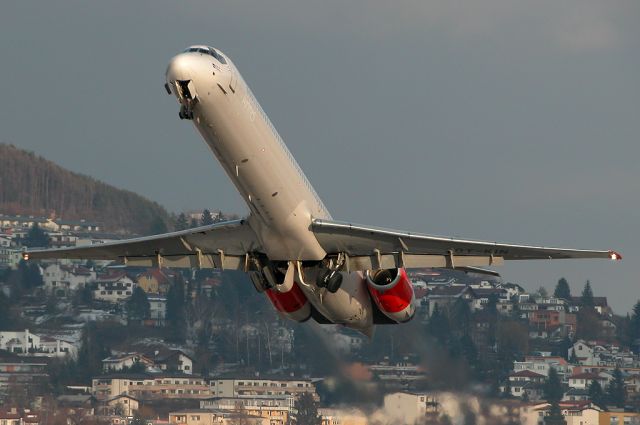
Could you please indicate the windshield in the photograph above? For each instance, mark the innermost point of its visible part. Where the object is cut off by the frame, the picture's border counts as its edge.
(207, 51)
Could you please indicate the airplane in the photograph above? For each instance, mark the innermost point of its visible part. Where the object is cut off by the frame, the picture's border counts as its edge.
(307, 264)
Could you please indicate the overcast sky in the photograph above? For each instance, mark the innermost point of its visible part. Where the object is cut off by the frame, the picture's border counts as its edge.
(502, 120)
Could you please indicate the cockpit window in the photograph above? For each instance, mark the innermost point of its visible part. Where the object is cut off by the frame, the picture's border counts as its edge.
(207, 51)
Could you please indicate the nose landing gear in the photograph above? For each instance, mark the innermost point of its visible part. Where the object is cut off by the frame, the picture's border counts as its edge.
(188, 99)
(186, 112)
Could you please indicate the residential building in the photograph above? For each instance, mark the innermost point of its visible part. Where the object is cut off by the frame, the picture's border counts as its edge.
(583, 352)
(409, 408)
(80, 407)
(113, 289)
(574, 413)
(17, 416)
(619, 418)
(214, 417)
(150, 386)
(28, 377)
(121, 405)
(123, 361)
(157, 310)
(524, 381)
(583, 380)
(399, 373)
(61, 280)
(62, 240)
(239, 387)
(170, 360)
(342, 417)
(155, 281)
(275, 408)
(38, 345)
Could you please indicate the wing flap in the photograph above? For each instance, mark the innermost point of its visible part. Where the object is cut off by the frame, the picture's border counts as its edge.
(220, 245)
(370, 247)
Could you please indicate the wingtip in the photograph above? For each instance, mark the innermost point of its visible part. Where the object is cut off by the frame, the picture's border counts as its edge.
(615, 256)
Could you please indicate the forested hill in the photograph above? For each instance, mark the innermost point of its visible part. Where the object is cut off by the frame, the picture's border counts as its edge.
(32, 185)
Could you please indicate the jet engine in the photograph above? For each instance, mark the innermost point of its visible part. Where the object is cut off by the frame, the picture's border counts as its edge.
(392, 292)
(285, 294)
(292, 304)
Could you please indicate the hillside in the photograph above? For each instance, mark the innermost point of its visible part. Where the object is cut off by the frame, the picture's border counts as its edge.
(30, 184)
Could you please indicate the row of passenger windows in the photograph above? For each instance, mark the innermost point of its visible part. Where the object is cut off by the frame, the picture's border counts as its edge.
(207, 51)
(286, 150)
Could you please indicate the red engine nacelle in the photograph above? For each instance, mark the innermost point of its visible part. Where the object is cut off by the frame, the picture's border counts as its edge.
(392, 292)
(292, 304)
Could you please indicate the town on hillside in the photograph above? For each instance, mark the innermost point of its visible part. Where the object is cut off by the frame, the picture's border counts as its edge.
(94, 342)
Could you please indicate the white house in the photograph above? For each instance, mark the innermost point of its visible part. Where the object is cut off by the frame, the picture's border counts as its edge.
(114, 290)
(583, 352)
(60, 280)
(118, 362)
(157, 308)
(582, 380)
(25, 342)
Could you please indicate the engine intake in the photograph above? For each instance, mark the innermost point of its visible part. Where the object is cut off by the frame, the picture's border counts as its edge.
(392, 292)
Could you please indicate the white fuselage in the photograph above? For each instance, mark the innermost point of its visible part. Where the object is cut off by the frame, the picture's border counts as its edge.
(281, 200)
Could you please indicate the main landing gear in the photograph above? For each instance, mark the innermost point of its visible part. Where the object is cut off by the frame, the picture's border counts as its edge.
(330, 279)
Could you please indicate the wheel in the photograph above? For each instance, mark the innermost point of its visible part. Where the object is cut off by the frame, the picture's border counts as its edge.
(323, 278)
(334, 282)
(181, 115)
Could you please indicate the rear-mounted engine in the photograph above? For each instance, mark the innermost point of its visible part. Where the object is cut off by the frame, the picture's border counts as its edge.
(292, 304)
(392, 292)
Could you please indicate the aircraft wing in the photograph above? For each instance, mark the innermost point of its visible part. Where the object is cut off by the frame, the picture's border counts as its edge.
(370, 248)
(220, 245)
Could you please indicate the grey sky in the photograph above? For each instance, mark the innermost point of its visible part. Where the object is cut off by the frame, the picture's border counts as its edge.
(504, 120)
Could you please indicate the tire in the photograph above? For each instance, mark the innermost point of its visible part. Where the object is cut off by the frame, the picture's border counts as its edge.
(323, 278)
(334, 282)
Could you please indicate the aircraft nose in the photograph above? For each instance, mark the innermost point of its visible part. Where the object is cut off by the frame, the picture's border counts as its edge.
(179, 69)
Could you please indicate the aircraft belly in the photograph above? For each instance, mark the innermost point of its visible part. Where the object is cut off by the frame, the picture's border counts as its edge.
(252, 160)
(349, 306)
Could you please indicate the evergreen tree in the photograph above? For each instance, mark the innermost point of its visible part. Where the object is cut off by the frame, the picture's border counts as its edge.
(193, 223)
(542, 292)
(573, 359)
(6, 318)
(634, 324)
(138, 307)
(206, 218)
(176, 317)
(36, 238)
(90, 354)
(615, 390)
(492, 305)
(596, 394)
(438, 325)
(306, 411)
(587, 295)
(157, 226)
(461, 316)
(29, 275)
(555, 415)
(181, 222)
(562, 289)
(220, 217)
(552, 387)
(563, 348)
